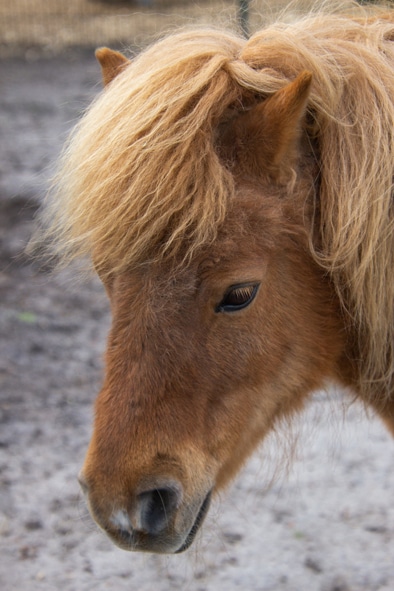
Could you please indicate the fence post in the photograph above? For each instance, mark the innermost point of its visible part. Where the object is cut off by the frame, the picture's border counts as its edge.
(243, 16)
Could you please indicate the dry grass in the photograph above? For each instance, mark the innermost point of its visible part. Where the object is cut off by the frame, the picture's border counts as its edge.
(53, 26)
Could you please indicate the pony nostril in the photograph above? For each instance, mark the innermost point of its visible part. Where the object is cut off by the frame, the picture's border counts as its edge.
(156, 507)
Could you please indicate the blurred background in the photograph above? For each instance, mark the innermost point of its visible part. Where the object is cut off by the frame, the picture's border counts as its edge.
(315, 516)
(55, 25)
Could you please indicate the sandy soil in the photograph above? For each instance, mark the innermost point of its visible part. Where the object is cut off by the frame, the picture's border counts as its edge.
(324, 524)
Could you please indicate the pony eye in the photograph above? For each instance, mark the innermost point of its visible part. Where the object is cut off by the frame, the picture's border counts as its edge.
(238, 297)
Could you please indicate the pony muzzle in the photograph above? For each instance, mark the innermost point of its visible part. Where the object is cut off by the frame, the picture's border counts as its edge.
(156, 519)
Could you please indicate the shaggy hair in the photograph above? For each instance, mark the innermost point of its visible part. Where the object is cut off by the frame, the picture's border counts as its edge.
(140, 177)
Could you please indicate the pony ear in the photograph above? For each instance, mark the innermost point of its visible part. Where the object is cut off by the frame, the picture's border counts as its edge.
(111, 62)
(266, 137)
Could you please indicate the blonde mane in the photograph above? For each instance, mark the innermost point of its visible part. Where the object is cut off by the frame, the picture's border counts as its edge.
(140, 177)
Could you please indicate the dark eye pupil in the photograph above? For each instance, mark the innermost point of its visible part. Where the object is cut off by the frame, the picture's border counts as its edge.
(237, 297)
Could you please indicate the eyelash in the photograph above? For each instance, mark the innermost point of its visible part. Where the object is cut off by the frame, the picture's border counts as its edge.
(238, 297)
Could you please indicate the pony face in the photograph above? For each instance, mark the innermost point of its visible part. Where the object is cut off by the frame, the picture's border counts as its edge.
(201, 361)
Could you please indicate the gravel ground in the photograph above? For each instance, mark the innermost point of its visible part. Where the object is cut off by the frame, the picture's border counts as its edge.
(311, 511)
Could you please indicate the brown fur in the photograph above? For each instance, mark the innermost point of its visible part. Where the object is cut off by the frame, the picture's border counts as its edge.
(210, 162)
(112, 63)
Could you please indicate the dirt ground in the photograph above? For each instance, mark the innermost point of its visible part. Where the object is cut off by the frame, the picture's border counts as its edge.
(326, 523)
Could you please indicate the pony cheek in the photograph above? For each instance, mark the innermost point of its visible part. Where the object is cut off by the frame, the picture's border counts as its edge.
(235, 424)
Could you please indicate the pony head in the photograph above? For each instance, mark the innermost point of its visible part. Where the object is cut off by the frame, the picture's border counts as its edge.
(208, 184)
(191, 387)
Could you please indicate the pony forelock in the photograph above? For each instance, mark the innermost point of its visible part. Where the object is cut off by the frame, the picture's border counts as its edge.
(140, 178)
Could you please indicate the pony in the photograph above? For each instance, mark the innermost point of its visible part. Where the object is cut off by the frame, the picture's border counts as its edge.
(236, 199)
